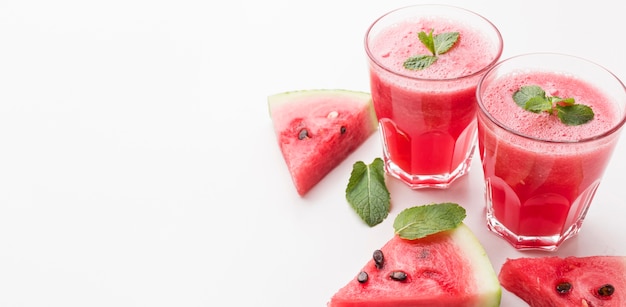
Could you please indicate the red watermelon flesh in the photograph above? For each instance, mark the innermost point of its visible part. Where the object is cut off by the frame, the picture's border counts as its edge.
(594, 281)
(318, 129)
(449, 268)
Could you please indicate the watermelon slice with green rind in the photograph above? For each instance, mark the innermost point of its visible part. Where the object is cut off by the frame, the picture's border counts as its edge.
(318, 129)
(449, 268)
(592, 281)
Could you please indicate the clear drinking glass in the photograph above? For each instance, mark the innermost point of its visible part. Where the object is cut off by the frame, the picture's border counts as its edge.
(540, 173)
(428, 117)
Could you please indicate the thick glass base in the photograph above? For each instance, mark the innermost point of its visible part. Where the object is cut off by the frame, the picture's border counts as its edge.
(543, 222)
(545, 243)
(438, 181)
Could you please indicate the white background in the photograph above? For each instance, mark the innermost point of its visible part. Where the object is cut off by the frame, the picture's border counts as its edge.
(138, 165)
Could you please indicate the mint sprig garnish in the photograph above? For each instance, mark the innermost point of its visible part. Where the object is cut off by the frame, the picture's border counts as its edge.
(436, 44)
(367, 192)
(421, 221)
(534, 99)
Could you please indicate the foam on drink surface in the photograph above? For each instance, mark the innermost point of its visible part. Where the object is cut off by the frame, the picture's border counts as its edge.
(395, 44)
(499, 102)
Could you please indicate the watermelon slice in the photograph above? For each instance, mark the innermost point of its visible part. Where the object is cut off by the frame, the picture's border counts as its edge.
(449, 268)
(318, 129)
(593, 281)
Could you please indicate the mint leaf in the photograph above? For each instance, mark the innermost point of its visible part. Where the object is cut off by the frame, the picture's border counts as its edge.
(564, 102)
(445, 41)
(421, 221)
(437, 45)
(367, 193)
(527, 92)
(533, 98)
(575, 114)
(428, 40)
(419, 62)
(538, 104)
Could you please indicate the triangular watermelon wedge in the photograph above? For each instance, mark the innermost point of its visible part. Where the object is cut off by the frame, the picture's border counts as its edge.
(593, 281)
(317, 129)
(449, 268)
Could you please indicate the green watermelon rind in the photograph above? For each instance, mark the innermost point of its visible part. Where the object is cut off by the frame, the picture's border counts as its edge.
(487, 278)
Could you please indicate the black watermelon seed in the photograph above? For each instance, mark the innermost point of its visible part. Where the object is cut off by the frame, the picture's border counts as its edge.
(606, 290)
(303, 134)
(343, 129)
(379, 259)
(362, 277)
(563, 287)
(398, 275)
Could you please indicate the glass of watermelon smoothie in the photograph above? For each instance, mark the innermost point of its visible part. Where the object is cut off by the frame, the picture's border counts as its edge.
(427, 115)
(541, 172)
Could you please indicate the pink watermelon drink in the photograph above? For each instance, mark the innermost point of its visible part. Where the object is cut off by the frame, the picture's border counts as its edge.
(541, 173)
(427, 115)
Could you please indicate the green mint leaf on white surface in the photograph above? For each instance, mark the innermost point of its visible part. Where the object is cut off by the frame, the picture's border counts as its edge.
(436, 44)
(533, 98)
(367, 192)
(421, 221)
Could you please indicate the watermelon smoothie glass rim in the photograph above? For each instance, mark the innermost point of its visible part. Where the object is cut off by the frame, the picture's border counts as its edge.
(441, 6)
(503, 126)
(432, 155)
(601, 144)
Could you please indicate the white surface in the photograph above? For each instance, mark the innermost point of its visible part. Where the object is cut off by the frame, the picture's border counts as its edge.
(138, 166)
